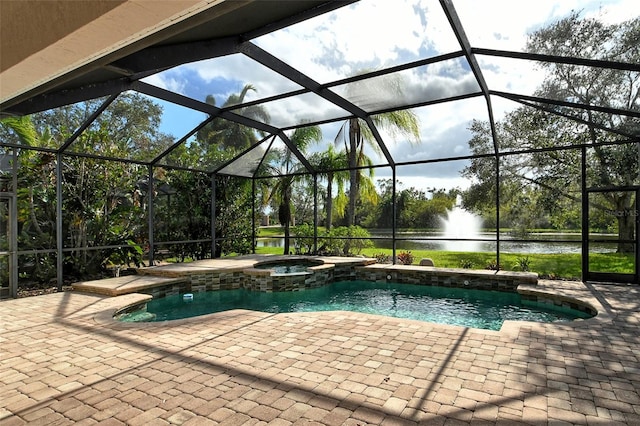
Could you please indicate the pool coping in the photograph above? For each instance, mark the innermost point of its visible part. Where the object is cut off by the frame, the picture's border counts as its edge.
(213, 274)
(560, 290)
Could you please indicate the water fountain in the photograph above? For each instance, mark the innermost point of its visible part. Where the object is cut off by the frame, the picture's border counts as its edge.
(461, 224)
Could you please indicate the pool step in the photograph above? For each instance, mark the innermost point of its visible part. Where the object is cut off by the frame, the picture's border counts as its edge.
(126, 284)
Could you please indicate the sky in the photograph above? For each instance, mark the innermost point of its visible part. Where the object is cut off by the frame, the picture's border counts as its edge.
(374, 34)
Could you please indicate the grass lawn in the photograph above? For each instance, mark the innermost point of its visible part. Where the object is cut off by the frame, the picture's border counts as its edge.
(546, 265)
(563, 265)
(556, 266)
(270, 231)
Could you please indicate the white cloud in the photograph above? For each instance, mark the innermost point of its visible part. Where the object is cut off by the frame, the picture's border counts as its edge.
(364, 36)
(167, 82)
(372, 34)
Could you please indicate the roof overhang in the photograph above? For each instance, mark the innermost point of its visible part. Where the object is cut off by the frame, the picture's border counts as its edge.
(50, 49)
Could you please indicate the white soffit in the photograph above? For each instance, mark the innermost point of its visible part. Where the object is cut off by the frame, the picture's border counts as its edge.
(113, 31)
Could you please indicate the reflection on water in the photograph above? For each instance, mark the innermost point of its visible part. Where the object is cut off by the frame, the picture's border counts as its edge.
(539, 243)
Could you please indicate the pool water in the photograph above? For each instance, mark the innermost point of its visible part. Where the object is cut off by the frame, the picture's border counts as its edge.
(455, 306)
(286, 268)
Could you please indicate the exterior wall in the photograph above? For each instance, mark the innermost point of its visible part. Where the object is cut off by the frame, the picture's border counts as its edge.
(345, 272)
(318, 276)
(222, 280)
(466, 278)
(168, 290)
(264, 280)
(554, 300)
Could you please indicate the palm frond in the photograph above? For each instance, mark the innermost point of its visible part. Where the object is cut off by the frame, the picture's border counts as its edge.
(24, 128)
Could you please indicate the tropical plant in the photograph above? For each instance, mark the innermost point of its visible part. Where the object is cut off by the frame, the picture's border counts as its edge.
(493, 265)
(35, 197)
(332, 165)
(523, 264)
(355, 134)
(382, 257)
(282, 162)
(101, 206)
(466, 263)
(228, 136)
(405, 257)
(217, 142)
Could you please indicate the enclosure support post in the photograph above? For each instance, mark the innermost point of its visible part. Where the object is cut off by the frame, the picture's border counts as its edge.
(585, 214)
(315, 213)
(150, 212)
(393, 214)
(13, 227)
(253, 215)
(497, 212)
(213, 216)
(59, 236)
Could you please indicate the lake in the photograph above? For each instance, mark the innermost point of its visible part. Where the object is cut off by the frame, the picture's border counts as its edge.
(537, 242)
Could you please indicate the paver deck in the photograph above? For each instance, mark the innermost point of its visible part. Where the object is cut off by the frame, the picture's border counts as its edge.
(123, 285)
(63, 360)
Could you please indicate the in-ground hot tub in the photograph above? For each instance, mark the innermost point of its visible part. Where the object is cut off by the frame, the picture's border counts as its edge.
(289, 266)
(290, 274)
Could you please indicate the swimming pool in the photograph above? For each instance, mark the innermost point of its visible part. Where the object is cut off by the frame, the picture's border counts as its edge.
(292, 266)
(454, 306)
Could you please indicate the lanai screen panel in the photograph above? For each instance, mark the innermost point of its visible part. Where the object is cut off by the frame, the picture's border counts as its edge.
(224, 81)
(445, 131)
(364, 36)
(427, 83)
(297, 110)
(67, 119)
(136, 127)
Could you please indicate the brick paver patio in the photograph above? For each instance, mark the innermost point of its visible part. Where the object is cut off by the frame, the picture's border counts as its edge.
(63, 360)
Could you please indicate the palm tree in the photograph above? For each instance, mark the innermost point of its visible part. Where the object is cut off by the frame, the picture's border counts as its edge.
(217, 142)
(332, 165)
(227, 134)
(355, 133)
(283, 164)
(33, 165)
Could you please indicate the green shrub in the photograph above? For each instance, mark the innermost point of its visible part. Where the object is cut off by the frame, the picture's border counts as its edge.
(361, 241)
(466, 263)
(382, 258)
(523, 264)
(303, 238)
(341, 238)
(331, 242)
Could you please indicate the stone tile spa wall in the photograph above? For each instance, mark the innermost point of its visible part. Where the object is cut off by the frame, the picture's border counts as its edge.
(466, 278)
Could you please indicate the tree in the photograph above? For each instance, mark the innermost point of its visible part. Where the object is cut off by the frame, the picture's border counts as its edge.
(332, 165)
(554, 174)
(230, 136)
(100, 205)
(610, 166)
(414, 209)
(356, 134)
(283, 164)
(219, 141)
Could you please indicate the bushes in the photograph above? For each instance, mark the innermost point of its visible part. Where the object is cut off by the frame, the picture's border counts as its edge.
(382, 258)
(334, 242)
(522, 264)
(405, 257)
(466, 263)
(303, 239)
